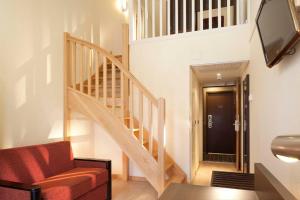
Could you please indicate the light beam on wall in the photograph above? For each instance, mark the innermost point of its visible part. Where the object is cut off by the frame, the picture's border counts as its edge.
(20, 92)
(49, 69)
(56, 131)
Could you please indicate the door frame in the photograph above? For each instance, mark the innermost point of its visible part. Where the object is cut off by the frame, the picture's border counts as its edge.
(246, 125)
(217, 89)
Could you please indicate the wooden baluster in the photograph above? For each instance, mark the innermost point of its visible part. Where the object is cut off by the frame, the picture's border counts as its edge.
(131, 108)
(73, 64)
(97, 74)
(150, 126)
(160, 18)
(184, 16)
(141, 118)
(160, 138)
(146, 18)
(210, 14)
(201, 15)
(176, 16)
(249, 3)
(132, 21)
(193, 15)
(219, 14)
(238, 12)
(169, 16)
(139, 20)
(81, 68)
(153, 18)
(122, 96)
(228, 13)
(105, 81)
(89, 74)
(113, 87)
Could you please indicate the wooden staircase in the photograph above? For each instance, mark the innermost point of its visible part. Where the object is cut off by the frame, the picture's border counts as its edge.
(99, 86)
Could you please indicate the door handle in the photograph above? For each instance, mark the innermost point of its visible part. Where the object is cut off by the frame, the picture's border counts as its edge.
(236, 125)
(210, 121)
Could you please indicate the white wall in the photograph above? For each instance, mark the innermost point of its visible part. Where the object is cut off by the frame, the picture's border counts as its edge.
(31, 60)
(275, 110)
(163, 65)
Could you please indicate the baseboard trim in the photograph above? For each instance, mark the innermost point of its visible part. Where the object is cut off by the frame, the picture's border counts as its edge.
(116, 176)
(137, 178)
(131, 178)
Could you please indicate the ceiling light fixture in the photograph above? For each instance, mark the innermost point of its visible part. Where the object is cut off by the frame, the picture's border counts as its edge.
(286, 148)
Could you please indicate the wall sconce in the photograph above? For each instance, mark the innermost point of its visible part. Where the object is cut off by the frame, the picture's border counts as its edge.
(123, 4)
(287, 148)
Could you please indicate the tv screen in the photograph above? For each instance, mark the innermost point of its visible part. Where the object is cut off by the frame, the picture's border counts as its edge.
(278, 28)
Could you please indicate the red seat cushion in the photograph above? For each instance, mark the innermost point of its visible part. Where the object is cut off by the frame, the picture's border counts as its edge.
(73, 183)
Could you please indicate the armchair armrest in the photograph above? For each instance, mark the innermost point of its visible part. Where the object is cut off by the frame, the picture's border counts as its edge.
(97, 163)
(89, 162)
(12, 190)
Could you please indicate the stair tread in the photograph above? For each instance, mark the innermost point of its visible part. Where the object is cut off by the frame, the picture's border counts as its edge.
(100, 86)
(175, 179)
(116, 106)
(118, 77)
(168, 164)
(136, 133)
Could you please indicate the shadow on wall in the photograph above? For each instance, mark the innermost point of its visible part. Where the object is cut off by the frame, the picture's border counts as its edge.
(32, 86)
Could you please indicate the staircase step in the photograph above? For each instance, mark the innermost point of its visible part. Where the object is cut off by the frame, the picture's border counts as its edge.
(101, 86)
(136, 133)
(168, 164)
(109, 70)
(116, 106)
(118, 77)
(175, 179)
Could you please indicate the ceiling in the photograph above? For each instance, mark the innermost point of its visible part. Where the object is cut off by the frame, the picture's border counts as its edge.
(207, 74)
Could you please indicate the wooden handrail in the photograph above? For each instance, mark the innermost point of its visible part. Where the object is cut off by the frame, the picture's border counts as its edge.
(117, 63)
(86, 65)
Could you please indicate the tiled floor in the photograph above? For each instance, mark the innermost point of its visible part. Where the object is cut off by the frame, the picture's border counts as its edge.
(133, 190)
(205, 169)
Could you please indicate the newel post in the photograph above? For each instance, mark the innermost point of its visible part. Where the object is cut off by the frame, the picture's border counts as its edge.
(125, 90)
(161, 148)
(66, 84)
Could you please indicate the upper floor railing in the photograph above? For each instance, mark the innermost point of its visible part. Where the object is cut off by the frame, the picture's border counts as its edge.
(156, 18)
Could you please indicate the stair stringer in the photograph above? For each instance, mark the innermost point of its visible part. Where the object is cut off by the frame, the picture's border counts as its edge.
(97, 112)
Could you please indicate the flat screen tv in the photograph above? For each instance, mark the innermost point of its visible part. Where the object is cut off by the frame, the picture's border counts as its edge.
(278, 29)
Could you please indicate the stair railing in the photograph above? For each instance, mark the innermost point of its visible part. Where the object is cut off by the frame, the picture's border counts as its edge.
(93, 71)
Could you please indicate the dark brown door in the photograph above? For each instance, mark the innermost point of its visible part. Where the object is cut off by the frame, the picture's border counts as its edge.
(220, 114)
(246, 124)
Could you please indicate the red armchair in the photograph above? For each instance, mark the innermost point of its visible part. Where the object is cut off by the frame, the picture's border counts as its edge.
(49, 172)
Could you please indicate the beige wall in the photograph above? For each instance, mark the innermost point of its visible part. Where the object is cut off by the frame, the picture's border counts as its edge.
(31, 60)
(163, 65)
(274, 110)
